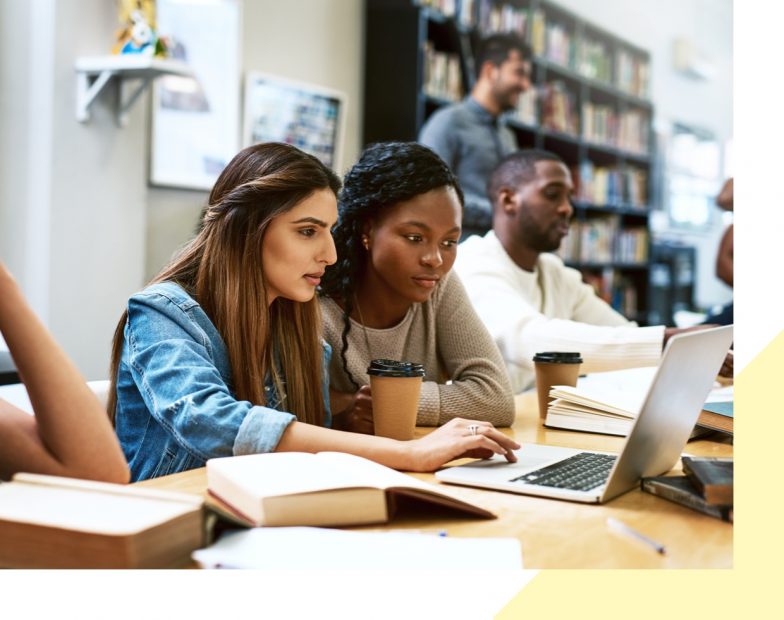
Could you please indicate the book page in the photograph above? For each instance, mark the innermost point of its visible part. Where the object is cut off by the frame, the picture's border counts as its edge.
(288, 473)
(373, 473)
(631, 383)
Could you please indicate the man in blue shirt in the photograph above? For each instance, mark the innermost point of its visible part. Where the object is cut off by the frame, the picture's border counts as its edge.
(469, 136)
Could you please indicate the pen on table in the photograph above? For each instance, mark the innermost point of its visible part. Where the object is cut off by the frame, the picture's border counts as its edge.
(619, 526)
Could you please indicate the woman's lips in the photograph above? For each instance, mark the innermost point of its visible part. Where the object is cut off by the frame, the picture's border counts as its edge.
(313, 279)
(426, 281)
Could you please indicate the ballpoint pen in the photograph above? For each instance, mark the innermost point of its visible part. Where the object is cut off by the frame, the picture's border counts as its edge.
(619, 526)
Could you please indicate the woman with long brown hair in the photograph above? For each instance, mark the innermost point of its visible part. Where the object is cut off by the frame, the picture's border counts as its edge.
(222, 355)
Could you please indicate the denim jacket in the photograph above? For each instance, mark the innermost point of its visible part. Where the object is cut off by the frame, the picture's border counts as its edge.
(175, 403)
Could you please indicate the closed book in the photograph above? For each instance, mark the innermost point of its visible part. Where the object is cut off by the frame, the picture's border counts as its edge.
(717, 416)
(54, 522)
(323, 489)
(712, 476)
(679, 489)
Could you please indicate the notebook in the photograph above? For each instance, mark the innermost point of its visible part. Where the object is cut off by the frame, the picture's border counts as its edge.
(674, 400)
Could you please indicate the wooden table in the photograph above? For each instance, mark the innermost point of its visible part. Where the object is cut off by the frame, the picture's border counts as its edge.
(561, 534)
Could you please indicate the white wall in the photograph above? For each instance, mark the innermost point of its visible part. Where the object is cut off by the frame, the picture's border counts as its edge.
(706, 104)
(16, 112)
(79, 227)
(319, 42)
(76, 214)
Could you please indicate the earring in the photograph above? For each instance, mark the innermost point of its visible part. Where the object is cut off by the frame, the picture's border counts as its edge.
(366, 242)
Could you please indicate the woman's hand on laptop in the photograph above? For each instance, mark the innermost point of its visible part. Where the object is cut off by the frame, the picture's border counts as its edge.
(460, 438)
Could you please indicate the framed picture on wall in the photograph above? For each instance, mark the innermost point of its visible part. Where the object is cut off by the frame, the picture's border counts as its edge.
(308, 116)
(195, 121)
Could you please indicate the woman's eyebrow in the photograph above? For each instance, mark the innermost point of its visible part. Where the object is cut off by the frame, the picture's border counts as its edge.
(312, 220)
(424, 226)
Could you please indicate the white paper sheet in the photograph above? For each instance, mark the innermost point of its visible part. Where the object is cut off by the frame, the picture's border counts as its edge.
(295, 548)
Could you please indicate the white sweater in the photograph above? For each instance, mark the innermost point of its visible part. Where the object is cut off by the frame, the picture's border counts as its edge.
(549, 309)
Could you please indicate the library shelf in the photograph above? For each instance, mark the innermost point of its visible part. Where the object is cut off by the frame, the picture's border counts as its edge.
(596, 82)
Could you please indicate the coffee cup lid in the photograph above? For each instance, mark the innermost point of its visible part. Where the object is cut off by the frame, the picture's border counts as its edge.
(558, 357)
(394, 368)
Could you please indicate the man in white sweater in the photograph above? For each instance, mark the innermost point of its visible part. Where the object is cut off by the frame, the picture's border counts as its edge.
(528, 299)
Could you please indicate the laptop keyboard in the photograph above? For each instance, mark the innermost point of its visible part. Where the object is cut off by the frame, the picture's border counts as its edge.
(581, 472)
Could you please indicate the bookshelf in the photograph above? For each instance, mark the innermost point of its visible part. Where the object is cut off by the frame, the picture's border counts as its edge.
(589, 104)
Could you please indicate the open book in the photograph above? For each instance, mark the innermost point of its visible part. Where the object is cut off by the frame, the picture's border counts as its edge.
(607, 402)
(53, 522)
(324, 489)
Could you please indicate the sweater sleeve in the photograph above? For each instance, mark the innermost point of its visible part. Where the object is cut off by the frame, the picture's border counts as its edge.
(520, 330)
(479, 386)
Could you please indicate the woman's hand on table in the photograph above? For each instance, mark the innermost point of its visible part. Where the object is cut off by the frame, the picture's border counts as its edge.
(460, 438)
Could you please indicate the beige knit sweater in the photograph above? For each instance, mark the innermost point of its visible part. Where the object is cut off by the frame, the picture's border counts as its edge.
(445, 335)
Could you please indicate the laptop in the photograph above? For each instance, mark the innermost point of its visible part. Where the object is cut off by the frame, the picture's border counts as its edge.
(668, 414)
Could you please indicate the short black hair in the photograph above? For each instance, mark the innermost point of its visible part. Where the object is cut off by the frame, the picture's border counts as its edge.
(517, 168)
(496, 48)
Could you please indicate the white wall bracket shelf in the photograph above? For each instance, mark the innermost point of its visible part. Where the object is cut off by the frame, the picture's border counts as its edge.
(94, 73)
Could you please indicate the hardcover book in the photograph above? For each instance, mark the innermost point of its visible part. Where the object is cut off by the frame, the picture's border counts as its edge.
(679, 489)
(718, 416)
(54, 522)
(324, 489)
(712, 476)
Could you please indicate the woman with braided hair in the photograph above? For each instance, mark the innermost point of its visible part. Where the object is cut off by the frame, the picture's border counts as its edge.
(391, 293)
(222, 353)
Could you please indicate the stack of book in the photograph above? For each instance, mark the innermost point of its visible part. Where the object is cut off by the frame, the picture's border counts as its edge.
(707, 486)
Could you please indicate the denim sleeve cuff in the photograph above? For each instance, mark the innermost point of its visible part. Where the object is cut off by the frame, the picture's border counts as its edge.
(261, 431)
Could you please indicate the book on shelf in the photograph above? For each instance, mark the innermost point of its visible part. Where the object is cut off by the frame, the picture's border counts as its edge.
(495, 17)
(538, 32)
(594, 60)
(712, 476)
(323, 489)
(717, 416)
(679, 489)
(442, 77)
(632, 74)
(603, 402)
(54, 522)
(616, 185)
(558, 108)
(559, 44)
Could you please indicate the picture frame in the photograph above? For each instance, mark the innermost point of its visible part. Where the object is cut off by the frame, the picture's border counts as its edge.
(195, 122)
(308, 116)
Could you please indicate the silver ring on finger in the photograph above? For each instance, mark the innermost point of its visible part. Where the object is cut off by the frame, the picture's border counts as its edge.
(473, 428)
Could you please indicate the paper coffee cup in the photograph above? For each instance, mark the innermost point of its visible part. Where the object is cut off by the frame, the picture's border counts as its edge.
(395, 388)
(554, 368)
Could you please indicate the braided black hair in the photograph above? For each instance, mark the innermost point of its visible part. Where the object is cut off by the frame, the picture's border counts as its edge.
(386, 174)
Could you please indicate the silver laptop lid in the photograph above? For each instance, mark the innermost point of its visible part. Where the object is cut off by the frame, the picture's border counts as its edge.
(670, 410)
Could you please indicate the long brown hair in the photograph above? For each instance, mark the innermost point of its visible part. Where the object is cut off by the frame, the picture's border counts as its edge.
(222, 269)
